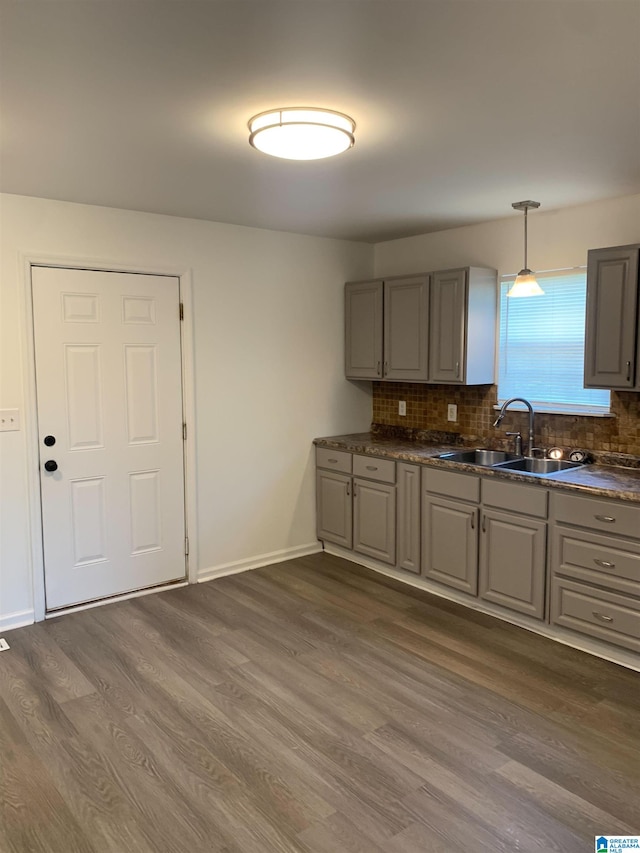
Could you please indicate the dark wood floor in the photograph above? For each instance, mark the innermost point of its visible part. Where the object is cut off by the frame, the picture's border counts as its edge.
(309, 706)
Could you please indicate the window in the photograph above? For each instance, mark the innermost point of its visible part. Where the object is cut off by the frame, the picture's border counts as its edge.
(541, 354)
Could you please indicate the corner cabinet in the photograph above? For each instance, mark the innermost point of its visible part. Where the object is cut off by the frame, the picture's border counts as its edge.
(437, 327)
(612, 346)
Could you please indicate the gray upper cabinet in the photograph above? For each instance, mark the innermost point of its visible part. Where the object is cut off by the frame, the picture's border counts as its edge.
(462, 326)
(448, 301)
(406, 329)
(387, 329)
(612, 353)
(363, 329)
(423, 328)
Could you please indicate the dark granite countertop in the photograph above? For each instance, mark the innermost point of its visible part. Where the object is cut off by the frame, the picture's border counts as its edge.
(592, 480)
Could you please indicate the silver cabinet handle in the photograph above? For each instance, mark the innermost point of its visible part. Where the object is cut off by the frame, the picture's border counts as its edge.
(628, 371)
(385, 368)
(372, 467)
(602, 617)
(608, 518)
(604, 564)
(333, 461)
(378, 369)
(457, 369)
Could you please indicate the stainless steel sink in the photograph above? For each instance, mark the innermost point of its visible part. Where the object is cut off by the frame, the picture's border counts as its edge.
(538, 466)
(488, 458)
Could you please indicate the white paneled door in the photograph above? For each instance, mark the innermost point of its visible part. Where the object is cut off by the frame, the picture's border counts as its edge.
(109, 390)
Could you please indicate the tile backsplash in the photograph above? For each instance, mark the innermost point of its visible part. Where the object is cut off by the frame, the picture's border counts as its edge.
(427, 410)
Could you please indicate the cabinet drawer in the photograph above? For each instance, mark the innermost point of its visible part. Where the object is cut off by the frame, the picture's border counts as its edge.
(600, 614)
(465, 487)
(373, 468)
(607, 516)
(334, 460)
(595, 559)
(513, 497)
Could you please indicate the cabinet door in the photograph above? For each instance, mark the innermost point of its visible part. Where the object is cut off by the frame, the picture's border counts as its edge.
(408, 526)
(333, 508)
(363, 330)
(406, 329)
(447, 326)
(513, 562)
(612, 316)
(374, 520)
(450, 543)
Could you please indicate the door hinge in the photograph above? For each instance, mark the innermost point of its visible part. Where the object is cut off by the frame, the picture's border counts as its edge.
(184, 432)
(182, 311)
(186, 546)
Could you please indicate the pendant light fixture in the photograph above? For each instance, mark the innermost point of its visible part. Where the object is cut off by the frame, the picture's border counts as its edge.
(302, 133)
(525, 283)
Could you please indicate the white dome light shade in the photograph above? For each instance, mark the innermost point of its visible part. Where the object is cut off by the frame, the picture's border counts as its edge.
(302, 133)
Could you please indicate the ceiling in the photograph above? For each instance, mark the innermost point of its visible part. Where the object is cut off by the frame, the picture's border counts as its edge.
(462, 107)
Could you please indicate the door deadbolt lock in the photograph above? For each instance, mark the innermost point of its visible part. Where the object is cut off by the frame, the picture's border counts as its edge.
(49, 440)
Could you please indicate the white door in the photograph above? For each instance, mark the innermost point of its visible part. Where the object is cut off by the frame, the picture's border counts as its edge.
(109, 389)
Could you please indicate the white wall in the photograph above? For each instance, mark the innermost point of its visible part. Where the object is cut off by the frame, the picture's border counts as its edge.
(268, 369)
(557, 238)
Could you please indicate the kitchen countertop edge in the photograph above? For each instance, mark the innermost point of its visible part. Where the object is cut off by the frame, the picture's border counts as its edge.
(590, 480)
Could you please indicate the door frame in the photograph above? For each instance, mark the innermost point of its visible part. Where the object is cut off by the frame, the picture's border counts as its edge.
(32, 444)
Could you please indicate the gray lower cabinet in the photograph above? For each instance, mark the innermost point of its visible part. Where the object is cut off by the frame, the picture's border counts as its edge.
(595, 568)
(450, 543)
(450, 528)
(374, 520)
(408, 517)
(612, 351)
(513, 546)
(513, 561)
(334, 508)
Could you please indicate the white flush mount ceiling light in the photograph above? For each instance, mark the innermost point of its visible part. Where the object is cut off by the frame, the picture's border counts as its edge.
(525, 283)
(302, 133)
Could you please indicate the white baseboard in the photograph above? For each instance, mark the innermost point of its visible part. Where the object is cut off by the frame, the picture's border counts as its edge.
(258, 561)
(18, 619)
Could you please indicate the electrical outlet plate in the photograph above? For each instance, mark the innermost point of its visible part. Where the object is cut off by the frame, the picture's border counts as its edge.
(402, 407)
(452, 412)
(4, 646)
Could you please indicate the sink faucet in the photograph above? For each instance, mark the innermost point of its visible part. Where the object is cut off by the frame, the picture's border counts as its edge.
(503, 412)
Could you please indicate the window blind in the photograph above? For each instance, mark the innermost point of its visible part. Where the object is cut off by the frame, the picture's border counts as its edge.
(541, 349)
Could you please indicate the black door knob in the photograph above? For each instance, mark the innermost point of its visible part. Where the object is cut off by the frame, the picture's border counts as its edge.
(50, 465)
(49, 440)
